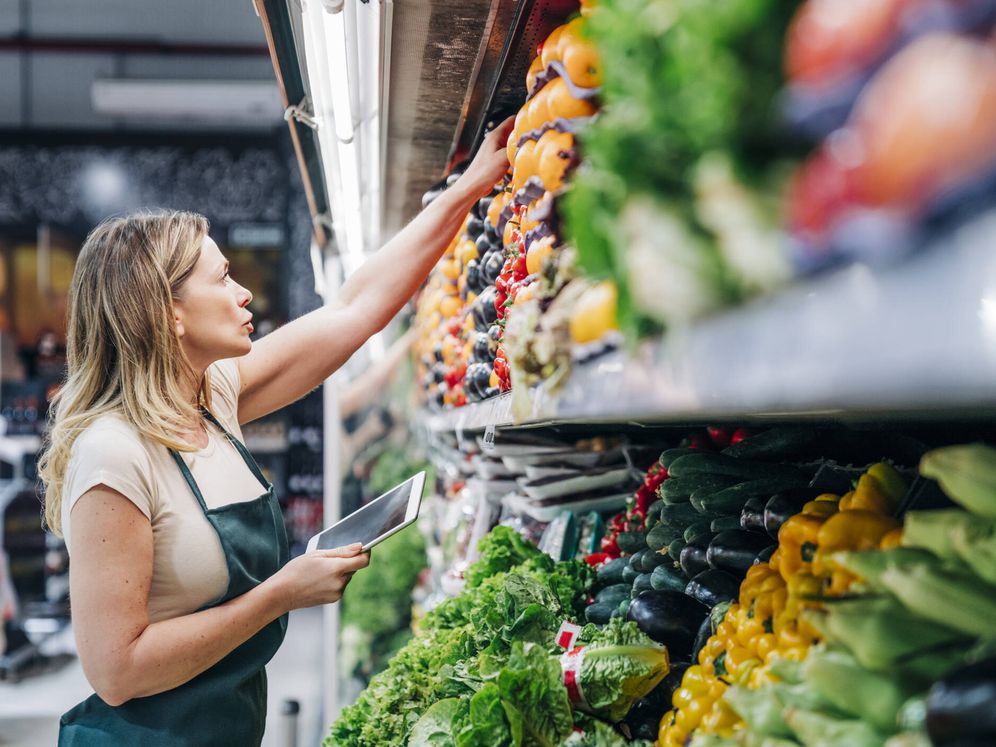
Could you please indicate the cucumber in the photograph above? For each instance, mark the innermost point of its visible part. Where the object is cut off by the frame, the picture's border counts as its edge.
(675, 548)
(680, 489)
(631, 542)
(679, 515)
(711, 463)
(629, 574)
(661, 536)
(599, 614)
(654, 512)
(696, 528)
(668, 457)
(636, 559)
(653, 559)
(731, 500)
(611, 572)
(613, 595)
(774, 443)
(642, 583)
(668, 577)
(725, 522)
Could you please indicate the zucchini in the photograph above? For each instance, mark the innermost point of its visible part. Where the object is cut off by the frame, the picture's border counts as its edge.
(599, 614)
(642, 583)
(703, 526)
(629, 575)
(631, 542)
(774, 443)
(611, 571)
(693, 556)
(653, 559)
(734, 550)
(675, 548)
(668, 577)
(661, 536)
(680, 515)
(668, 456)
(731, 500)
(680, 489)
(614, 594)
(704, 462)
(725, 522)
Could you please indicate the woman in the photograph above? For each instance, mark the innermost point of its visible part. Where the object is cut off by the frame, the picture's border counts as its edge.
(179, 581)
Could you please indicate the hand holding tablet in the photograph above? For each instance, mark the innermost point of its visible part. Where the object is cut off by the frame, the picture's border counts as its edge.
(376, 521)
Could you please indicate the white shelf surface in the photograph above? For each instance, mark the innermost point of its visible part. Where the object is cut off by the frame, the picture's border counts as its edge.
(916, 336)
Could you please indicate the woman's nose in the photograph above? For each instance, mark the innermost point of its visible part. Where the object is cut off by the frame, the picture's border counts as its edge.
(246, 297)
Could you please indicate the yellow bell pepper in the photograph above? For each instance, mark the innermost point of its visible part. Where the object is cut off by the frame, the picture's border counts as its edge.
(857, 529)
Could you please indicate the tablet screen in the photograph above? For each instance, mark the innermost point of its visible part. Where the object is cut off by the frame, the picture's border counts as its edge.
(368, 523)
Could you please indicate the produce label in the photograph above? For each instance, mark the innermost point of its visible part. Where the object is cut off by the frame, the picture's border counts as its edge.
(567, 635)
(570, 665)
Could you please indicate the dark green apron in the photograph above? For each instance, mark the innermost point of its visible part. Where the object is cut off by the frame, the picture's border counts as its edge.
(226, 705)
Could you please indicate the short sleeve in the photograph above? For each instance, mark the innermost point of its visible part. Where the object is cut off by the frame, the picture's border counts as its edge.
(226, 383)
(111, 454)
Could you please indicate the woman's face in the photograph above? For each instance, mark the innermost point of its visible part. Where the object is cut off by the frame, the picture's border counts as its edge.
(211, 313)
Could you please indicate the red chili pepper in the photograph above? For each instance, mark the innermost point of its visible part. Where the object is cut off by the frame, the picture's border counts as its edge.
(739, 435)
(501, 368)
(596, 558)
(519, 271)
(610, 547)
(644, 497)
(720, 436)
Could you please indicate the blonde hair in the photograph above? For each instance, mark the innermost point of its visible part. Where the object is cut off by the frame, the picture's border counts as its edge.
(123, 351)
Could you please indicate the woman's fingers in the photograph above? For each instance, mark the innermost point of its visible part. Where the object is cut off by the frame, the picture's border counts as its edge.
(502, 131)
(346, 551)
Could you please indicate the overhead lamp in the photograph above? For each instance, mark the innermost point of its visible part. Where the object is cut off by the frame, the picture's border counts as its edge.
(245, 101)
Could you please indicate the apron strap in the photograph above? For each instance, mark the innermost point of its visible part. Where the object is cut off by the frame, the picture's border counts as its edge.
(240, 447)
(243, 452)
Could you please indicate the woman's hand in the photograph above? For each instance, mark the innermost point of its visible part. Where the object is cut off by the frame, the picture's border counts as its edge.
(490, 163)
(319, 577)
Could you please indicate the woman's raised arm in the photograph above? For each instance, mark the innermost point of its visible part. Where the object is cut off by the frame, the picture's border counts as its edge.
(293, 360)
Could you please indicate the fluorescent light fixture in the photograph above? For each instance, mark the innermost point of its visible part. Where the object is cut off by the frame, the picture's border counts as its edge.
(345, 54)
(256, 101)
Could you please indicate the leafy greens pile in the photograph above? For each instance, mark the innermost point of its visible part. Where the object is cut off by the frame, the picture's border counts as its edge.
(484, 668)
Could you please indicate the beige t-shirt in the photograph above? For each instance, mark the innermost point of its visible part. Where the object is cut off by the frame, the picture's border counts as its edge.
(188, 564)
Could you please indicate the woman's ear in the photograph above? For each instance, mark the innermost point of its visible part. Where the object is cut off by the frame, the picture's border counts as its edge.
(178, 322)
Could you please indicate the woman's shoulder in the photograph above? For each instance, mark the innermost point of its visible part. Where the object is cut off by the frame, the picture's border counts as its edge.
(226, 385)
(111, 435)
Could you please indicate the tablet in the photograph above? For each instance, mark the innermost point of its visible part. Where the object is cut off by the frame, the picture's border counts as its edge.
(376, 521)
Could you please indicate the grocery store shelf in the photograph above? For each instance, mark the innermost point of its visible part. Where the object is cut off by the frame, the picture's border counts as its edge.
(913, 338)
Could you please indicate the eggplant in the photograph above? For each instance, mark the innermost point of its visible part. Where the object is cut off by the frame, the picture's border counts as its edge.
(765, 555)
(476, 380)
(644, 718)
(485, 313)
(484, 347)
(669, 618)
(735, 549)
(961, 707)
(492, 263)
(693, 555)
(475, 227)
(702, 637)
(474, 276)
(783, 505)
(492, 233)
(752, 514)
(484, 245)
(482, 205)
(494, 332)
(713, 586)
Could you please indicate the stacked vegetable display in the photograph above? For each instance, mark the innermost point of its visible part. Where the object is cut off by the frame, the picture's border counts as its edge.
(485, 667)
(508, 252)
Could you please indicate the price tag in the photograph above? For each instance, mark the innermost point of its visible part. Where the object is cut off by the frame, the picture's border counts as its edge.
(567, 635)
(488, 442)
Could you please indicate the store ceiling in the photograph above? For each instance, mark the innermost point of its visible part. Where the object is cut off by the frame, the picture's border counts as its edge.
(52, 51)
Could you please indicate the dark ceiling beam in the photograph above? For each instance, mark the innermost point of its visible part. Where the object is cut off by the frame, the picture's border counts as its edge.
(110, 45)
